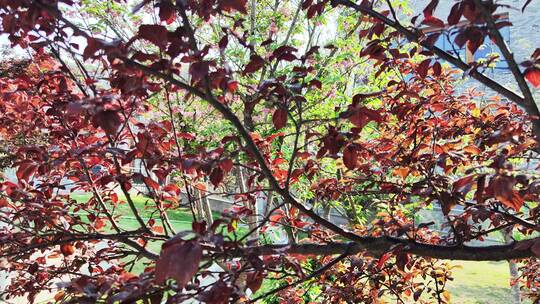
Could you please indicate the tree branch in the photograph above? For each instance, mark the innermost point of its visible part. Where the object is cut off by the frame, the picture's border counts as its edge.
(529, 103)
(379, 245)
(231, 117)
(123, 237)
(524, 102)
(312, 275)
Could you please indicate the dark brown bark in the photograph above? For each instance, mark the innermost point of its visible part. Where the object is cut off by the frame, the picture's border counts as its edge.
(379, 245)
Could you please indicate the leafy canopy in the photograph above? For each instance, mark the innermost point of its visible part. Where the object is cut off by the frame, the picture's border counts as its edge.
(296, 111)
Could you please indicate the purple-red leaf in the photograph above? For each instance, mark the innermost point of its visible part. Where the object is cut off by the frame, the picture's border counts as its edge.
(26, 170)
(437, 69)
(178, 260)
(167, 11)
(254, 280)
(233, 5)
(362, 116)
(423, 68)
(463, 184)
(216, 176)
(433, 21)
(256, 62)
(502, 189)
(108, 120)
(428, 10)
(455, 14)
(350, 156)
(279, 119)
(157, 34)
(227, 165)
(199, 70)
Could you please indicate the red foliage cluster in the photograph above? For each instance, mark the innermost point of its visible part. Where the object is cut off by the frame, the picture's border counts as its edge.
(79, 125)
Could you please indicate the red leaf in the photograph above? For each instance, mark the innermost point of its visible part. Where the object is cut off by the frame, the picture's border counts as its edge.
(185, 135)
(437, 69)
(99, 223)
(362, 115)
(108, 120)
(358, 97)
(315, 9)
(151, 183)
(383, 259)
(460, 39)
(469, 11)
(463, 183)
(227, 165)
(256, 62)
(198, 70)
(284, 49)
(315, 83)
(279, 118)
(158, 229)
(92, 46)
(350, 156)
(218, 294)
(232, 86)
(233, 5)
(223, 42)
(179, 260)
(514, 200)
(502, 187)
(172, 188)
(475, 41)
(26, 170)
(455, 14)
(402, 259)
(423, 67)
(428, 10)
(167, 11)
(447, 202)
(433, 21)
(67, 249)
(157, 34)
(533, 76)
(216, 176)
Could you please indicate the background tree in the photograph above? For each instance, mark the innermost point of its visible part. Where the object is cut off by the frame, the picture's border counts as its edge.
(318, 103)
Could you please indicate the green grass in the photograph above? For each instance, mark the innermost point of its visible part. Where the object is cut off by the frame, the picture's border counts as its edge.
(474, 282)
(180, 218)
(480, 283)
(146, 208)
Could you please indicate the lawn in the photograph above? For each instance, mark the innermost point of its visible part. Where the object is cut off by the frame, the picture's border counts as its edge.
(474, 282)
(180, 218)
(480, 283)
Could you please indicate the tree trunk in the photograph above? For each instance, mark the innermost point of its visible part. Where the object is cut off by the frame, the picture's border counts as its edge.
(204, 202)
(514, 274)
(253, 219)
(197, 204)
